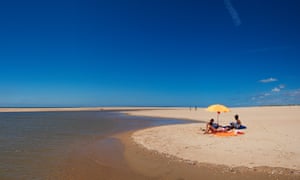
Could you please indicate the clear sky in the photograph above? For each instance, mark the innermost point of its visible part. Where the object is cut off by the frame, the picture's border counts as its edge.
(157, 52)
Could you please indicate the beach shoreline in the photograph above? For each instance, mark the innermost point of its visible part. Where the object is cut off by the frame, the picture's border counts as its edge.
(74, 109)
(270, 142)
(154, 164)
(269, 146)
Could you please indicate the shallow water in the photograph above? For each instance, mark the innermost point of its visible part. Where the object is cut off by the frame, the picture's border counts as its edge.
(33, 145)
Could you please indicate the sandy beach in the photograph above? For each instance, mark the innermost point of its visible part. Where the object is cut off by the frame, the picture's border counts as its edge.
(270, 140)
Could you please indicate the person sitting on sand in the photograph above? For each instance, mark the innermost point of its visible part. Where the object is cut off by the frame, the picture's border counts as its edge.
(237, 124)
(212, 127)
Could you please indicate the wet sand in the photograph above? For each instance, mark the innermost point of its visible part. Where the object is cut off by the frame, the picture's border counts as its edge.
(99, 160)
(154, 165)
(119, 157)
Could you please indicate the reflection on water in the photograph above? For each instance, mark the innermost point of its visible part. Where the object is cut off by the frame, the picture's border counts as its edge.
(33, 144)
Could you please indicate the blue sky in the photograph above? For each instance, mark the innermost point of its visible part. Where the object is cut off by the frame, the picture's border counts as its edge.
(149, 53)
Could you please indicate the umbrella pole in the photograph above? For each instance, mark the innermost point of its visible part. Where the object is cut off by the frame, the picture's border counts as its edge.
(218, 117)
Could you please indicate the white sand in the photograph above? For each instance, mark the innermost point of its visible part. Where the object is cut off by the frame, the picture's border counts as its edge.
(271, 139)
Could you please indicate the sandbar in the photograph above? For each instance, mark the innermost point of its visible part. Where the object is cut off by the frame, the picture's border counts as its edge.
(272, 137)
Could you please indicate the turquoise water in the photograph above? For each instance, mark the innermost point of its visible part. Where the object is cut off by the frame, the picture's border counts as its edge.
(34, 144)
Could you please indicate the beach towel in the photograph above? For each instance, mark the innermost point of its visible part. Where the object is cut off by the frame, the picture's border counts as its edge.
(228, 133)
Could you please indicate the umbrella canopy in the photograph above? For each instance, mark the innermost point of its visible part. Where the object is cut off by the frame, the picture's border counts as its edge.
(217, 108)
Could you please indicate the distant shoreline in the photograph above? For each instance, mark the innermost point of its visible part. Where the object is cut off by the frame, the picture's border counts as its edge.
(144, 106)
(111, 108)
(44, 109)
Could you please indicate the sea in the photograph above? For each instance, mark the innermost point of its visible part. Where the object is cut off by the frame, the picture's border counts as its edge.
(35, 145)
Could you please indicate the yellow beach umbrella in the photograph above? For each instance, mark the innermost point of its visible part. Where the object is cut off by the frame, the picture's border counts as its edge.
(217, 108)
